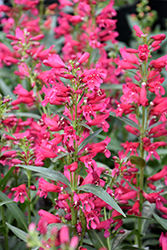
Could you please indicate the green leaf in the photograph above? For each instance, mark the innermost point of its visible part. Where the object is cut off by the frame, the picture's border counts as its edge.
(48, 173)
(112, 86)
(102, 165)
(6, 89)
(31, 115)
(59, 157)
(154, 125)
(119, 238)
(162, 151)
(5, 179)
(88, 139)
(60, 114)
(7, 133)
(126, 120)
(102, 194)
(6, 202)
(97, 239)
(147, 211)
(161, 221)
(114, 144)
(137, 160)
(57, 225)
(132, 186)
(139, 217)
(15, 211)
(130, 247)
(86, 126)
(19, 233)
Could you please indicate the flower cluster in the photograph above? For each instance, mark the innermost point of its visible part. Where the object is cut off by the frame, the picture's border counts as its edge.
(50, 144)
(143, 104)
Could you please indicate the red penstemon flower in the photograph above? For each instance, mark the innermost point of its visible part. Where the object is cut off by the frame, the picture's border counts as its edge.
(21, 192)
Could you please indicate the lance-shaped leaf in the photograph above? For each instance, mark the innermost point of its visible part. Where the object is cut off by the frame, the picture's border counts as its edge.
(4, 180)
(15, 211)
(60, 156)
(119, 238)
(126, 120)
(112, 86)
(7, 133)
(48, 173)
(162, 151)
(86, 126)
(129, 247)
(161, 221)
(60, 114)
(6, 202)
(137, 160)
(88, 139)
(154, 125)
(97, 239)
(6, 89)
(102, 194)
(57, 225)
(31, 115)
(19, 233)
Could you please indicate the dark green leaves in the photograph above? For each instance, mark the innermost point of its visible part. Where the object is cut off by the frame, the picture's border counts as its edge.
(15, 211)
(48, 173)
(137, 160)
(126, 120)
(5, 179)
(19, 233)
(161, 221)
(102, 194)
(97, 239)
(89, 138)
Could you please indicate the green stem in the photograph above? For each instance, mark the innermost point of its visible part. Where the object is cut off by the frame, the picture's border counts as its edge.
(108, 239)
(6, 230)
(29, 202)
(141, 177)
(41, 9)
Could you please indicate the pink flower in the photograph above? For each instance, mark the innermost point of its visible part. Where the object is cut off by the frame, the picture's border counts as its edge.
(84, 57)
(92, 219)
(100, 122)
(163, 241)
(135, 209)
(143, 52)
(143, 95)
(159, 37)
(74, 242)
(21, 192)
(139, 33)
(72, 167)
(93, 78)
(159, 175)
(54, 61)
(64, 235)
(48, 217)
(44, 187)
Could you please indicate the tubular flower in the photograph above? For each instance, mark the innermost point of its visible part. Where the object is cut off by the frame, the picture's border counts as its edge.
(163, 241)
(21, 192)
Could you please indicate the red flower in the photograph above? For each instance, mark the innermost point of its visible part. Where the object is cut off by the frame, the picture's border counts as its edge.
(93, 78)
(44, 187)
(143, 95)
(54, 61)
(163, 241)
(139, 33)
(21, 192)
(159, 175)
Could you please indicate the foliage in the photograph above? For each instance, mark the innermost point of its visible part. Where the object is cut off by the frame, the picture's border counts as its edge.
(82, 129)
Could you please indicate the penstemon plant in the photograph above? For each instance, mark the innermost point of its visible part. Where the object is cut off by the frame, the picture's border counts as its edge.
(55, 193)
